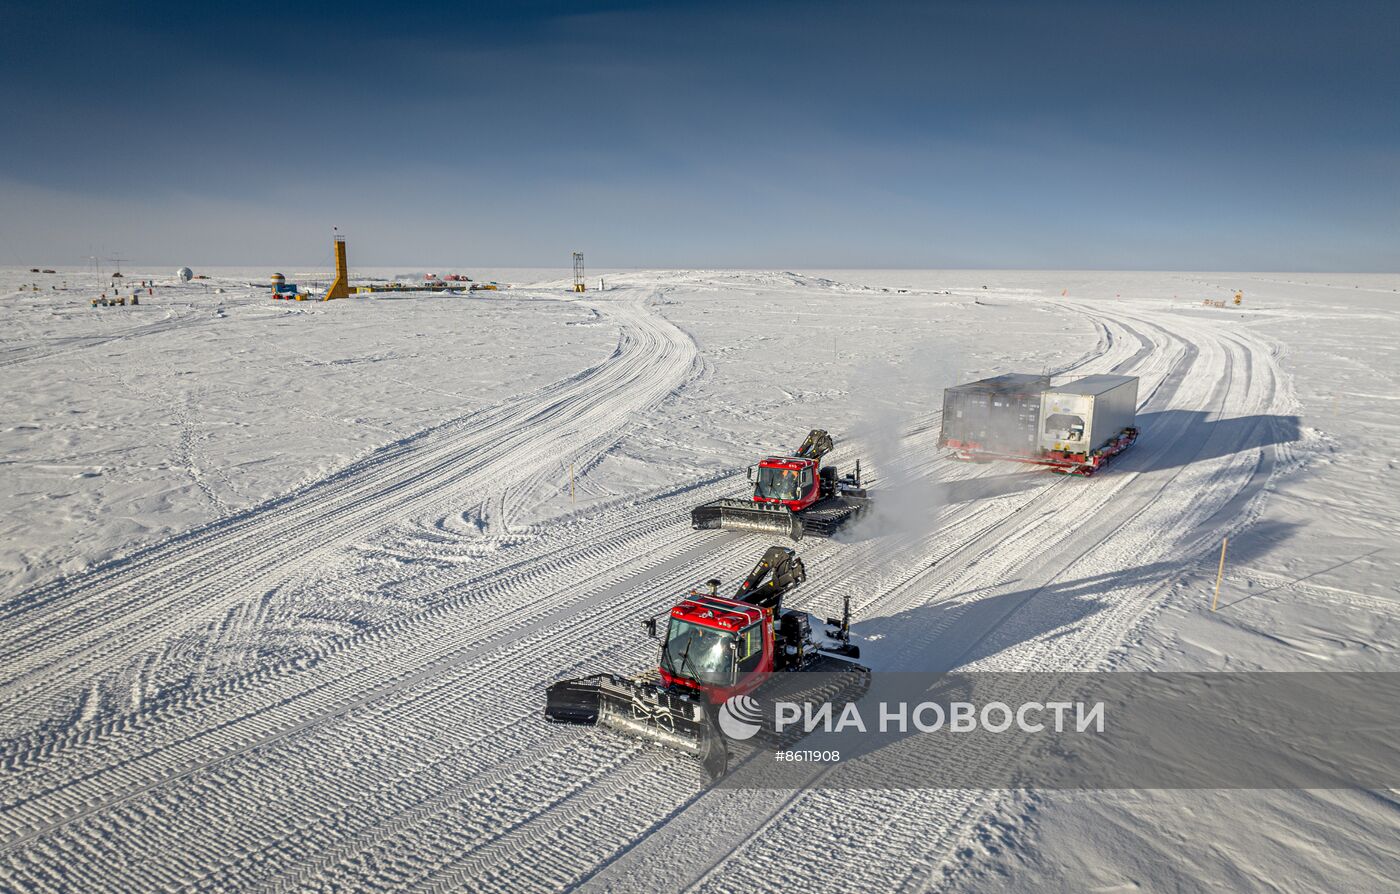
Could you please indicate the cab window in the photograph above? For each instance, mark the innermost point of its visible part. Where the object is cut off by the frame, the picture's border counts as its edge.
(750, 648)
(806, 480)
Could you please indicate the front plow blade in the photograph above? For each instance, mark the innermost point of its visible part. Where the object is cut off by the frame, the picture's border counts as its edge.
(641, 709)
(773, 519)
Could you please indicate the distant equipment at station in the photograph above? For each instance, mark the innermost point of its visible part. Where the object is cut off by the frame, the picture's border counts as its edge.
(283, 289)
(184, 274)
(578, 271)
(340, 288)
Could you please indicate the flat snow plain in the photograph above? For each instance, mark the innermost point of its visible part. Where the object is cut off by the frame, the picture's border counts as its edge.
(282, 583)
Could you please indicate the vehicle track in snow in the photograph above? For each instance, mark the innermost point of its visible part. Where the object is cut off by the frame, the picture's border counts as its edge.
(464, 868)
(1126, 604)
(532, 838)
(113, 615)
(909, 820)
(12, 355)
(979, 540)
(74, 806)
(748, 835)
(1091, 648)
(461, 784)
(68, 800)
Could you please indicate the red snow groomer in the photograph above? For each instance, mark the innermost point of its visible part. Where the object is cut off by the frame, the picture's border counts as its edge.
(792, 495)
(1072, 429)
(718, 650)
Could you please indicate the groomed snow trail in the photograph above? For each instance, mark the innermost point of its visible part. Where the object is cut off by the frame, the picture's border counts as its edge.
(1029, 593)
(412, 756)
(219, 582)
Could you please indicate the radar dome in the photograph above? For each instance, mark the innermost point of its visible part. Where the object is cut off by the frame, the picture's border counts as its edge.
(184, 274)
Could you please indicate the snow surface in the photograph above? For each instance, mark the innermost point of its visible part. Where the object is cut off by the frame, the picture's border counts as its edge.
(282, 583)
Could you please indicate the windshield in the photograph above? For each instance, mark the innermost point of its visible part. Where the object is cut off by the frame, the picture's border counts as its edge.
(776, 484)
(702, 654)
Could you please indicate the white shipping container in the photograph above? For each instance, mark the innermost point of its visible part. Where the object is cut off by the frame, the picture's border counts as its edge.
(1086, 414)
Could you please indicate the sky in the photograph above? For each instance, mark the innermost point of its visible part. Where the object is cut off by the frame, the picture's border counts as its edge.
(771, 134)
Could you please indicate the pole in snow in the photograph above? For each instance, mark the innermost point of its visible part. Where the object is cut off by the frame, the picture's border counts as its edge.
(1220, 573)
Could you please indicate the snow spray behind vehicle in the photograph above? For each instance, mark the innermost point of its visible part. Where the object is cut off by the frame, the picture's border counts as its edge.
(1000, 414)
(894, 402)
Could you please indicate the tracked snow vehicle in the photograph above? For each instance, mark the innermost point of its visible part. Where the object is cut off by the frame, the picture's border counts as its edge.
(792, 496)
(717, 648)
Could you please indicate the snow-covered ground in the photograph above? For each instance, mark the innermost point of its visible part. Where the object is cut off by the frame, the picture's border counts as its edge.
(283, 582)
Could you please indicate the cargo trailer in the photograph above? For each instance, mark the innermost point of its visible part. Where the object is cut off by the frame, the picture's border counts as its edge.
(1000, 415)
(1086, 421)
(1073, 428)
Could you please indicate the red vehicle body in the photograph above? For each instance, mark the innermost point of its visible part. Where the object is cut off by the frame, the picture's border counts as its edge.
(792, 495)
(728, 616)
(806, 473)
(716, 649)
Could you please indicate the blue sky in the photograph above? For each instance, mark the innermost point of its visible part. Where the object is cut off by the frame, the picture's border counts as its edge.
(764, 134)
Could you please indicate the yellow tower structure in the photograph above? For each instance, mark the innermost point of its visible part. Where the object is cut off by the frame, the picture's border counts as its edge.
(341, 287)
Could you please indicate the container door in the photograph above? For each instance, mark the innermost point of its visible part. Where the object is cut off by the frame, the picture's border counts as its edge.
(1065, 420)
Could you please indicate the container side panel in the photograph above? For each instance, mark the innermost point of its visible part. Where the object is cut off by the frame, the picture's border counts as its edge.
(1114, 411)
